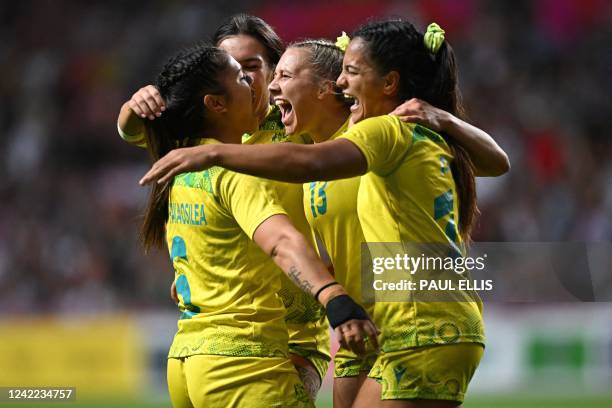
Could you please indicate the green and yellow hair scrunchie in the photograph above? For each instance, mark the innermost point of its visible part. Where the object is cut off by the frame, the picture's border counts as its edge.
(433, 38)
(343, 41)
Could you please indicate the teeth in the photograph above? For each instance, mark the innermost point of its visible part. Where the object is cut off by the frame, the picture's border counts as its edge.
(349, 97)
(281, 102)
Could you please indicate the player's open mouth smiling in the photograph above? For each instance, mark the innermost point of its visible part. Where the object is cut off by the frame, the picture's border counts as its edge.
(348, 97)
(285, 108)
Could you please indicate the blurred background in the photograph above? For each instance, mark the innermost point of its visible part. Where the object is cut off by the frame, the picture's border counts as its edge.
(82, 305)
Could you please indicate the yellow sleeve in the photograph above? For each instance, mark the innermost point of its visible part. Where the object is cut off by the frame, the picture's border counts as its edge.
(383, 140)
(251, 200)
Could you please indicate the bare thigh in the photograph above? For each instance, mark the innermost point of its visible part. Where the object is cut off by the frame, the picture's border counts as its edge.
(346, 390)
(369, 397)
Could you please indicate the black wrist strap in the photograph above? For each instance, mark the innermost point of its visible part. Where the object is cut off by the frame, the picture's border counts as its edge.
(322, 288)
(342, 309)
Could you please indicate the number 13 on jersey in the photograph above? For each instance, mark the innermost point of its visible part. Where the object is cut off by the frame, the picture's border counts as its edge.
(318, 198)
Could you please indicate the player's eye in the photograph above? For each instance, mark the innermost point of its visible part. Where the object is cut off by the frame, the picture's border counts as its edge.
(350, 71)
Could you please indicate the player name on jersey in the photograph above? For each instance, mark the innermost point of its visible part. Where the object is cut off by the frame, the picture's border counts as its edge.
(186, 213)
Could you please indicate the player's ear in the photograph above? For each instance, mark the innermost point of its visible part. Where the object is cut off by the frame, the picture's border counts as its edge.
(215, 103)
(391, 83)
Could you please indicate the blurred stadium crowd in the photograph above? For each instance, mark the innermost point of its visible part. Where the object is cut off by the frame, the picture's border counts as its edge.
(537, 75)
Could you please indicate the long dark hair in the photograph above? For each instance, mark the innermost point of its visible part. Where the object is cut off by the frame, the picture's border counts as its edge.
(256, 28)
(184, 81)
(396, 45)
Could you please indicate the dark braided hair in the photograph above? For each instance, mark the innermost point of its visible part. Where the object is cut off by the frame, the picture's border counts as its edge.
(254, 27)
(396, 45)
(325, 59)
(184, 81)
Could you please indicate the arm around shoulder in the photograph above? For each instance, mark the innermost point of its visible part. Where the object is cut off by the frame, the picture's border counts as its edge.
(489, 159)
(293, 162)
(130, 127)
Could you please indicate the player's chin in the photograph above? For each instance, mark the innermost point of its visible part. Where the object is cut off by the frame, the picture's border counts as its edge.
(291, 128)
(356, 116)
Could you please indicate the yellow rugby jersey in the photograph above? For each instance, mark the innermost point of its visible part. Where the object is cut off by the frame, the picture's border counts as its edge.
(227, 286)
(308, 328)
(408, 195)
(331, 211)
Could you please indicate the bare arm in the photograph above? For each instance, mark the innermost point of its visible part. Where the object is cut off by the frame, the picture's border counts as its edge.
(173, 294)
(288, 162)
(128, 121)
(145, 103)
(488, 157)
(292, 253)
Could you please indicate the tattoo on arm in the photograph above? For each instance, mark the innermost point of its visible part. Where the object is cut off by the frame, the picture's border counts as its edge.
(303, 284)
(311, 380)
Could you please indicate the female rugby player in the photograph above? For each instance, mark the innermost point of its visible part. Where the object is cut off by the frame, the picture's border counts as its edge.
(220, 227)
(255, 45)
(405, 177)
(257, 48)
(304, 87)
